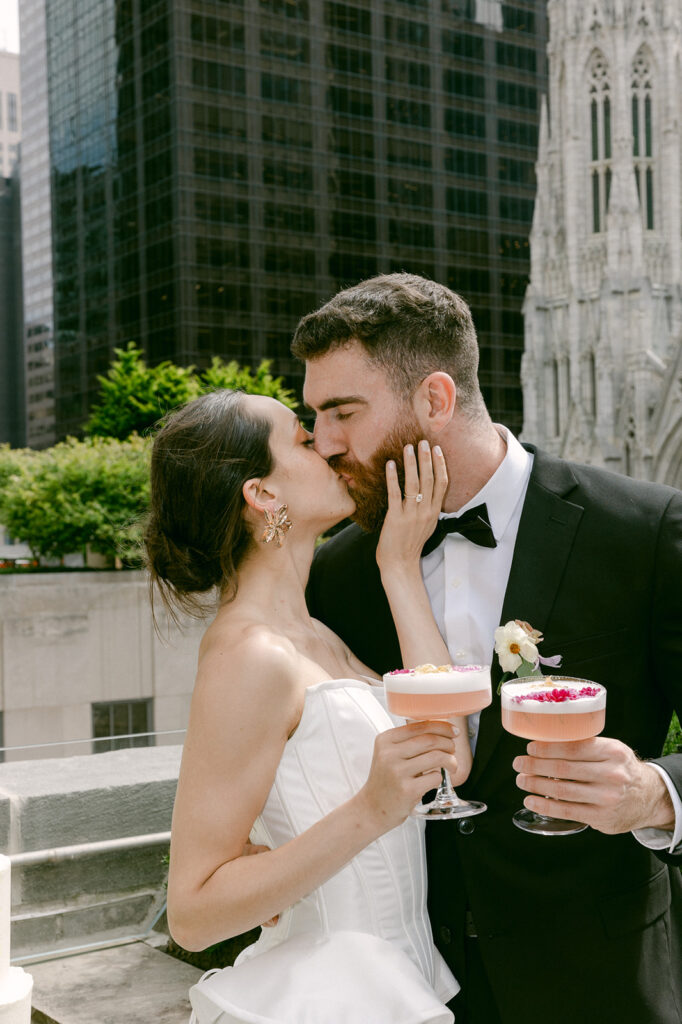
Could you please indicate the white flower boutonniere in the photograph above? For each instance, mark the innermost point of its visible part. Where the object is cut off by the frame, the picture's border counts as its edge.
(516, 645)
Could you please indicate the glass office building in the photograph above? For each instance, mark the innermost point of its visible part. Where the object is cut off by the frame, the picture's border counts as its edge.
(221, 167)
(12, 411)
(36, 232)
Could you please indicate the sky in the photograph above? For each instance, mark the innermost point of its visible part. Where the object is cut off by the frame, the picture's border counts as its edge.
(9, 25)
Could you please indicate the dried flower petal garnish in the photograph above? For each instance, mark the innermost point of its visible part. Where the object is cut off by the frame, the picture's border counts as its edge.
(556, 696)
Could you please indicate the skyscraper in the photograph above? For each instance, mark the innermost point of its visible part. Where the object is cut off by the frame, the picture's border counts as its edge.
(12, 426)
(36, 215)
(10, 112)
(219, 169)
(603, 361)
(12, 416)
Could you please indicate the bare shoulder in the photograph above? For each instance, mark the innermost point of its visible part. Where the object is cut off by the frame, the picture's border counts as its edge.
(251, 656)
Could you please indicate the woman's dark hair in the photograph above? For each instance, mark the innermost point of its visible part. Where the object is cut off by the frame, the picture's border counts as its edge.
(196, 535)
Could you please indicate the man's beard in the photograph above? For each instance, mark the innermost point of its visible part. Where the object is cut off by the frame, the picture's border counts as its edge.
(369, 480)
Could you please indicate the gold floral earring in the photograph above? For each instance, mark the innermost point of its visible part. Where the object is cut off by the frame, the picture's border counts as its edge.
(276, 525)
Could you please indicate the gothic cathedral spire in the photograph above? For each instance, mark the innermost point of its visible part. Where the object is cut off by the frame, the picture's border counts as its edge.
(602, 367)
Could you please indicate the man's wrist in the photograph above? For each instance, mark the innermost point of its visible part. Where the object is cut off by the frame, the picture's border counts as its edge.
(659, 810)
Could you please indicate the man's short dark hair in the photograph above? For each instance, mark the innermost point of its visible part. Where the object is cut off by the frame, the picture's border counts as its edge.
(408, 325)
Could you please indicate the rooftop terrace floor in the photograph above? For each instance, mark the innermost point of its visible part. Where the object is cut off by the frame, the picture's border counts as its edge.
(127, 984)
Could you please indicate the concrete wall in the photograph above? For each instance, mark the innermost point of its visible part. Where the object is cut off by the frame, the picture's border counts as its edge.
(76, 800)
(68, 640)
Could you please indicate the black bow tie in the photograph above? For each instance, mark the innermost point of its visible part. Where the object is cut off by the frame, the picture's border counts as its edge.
(474, 524)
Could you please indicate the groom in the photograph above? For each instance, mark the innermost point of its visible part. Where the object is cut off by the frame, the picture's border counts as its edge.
(546, 930)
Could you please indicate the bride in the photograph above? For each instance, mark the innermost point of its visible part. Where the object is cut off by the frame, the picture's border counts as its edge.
(288, 741)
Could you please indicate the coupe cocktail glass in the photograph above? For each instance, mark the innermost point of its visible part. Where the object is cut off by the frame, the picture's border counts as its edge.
(431, 693)
(554, 709)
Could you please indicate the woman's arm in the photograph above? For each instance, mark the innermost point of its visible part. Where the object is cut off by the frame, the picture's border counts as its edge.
(246, 703)
(407, 527)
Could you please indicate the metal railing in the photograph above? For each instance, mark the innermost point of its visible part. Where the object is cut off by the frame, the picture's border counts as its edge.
(65, 853)
(90, 740)
(61, 853)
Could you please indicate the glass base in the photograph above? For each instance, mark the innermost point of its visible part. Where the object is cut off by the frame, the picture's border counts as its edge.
(529, 821)
(449, 809)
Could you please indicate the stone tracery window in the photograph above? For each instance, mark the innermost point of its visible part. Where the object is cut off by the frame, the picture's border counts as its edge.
(600, 139)
(642, 134)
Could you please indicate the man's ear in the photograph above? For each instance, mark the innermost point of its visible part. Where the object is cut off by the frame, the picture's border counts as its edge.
(257, 496)
(435, 400)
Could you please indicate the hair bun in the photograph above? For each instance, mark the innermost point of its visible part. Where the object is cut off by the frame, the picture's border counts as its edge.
(187, 570)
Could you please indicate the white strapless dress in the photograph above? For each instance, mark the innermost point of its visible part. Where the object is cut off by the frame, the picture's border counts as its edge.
(359, 949)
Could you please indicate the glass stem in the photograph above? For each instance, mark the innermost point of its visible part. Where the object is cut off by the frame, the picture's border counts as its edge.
(445, 790)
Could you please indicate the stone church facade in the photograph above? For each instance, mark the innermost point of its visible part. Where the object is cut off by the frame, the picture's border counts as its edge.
(602, 366)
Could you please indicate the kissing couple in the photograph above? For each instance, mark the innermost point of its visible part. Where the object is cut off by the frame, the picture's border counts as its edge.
(290, 746)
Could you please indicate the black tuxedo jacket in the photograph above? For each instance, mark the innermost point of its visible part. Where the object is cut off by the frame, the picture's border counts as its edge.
(586, 927)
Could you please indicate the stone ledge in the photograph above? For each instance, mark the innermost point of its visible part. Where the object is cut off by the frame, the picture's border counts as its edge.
(70, 800)
(79, 800)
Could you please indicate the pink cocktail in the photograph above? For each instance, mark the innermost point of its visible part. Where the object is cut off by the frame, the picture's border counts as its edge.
(431, 692)
(446, 692)
(554, 709)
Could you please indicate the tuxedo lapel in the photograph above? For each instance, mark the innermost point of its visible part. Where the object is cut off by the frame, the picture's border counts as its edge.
(543, 545)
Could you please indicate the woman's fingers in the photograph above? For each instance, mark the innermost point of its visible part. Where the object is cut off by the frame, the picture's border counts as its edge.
(425, 472)
(440, 476)
(425, 475)
(437, 727)
(395, 497)
(412, 486)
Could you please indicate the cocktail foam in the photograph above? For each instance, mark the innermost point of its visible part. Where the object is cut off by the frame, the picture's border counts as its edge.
(553, 695)
(438, 679)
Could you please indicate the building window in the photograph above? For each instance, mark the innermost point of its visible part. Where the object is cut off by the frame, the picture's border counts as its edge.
(119, 724)
(411, 233)
(517, 133)
(410, 193)
(353, 184)
(516, 208)
(556, 397)
(408, 152)
(466, 201)
(297, 10)
(284, 46)
(360, 226)
(461, 83)
(287, 175)
(642, 136)
(600, 140)
(464, 122)
(351, 143)
(400, 30)
(459, 44)
(349, 60)
(12, 112)
(408, 72)
(355, 102)
(467, 162)
(591, 385)
(404, 111)
(285, 132)
(347, 18)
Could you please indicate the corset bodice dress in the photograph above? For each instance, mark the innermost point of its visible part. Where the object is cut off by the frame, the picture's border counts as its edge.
(358, 949)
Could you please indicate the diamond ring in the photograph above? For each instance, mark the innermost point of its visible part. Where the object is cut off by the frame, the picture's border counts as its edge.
(418, 498)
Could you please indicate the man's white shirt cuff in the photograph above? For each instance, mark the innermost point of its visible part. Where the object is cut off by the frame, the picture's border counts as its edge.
(659, 838)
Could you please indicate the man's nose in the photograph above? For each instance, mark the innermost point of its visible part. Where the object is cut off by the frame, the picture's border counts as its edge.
(326, 441)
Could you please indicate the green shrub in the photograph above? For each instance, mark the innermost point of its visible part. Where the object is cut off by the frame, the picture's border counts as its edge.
(76, 495)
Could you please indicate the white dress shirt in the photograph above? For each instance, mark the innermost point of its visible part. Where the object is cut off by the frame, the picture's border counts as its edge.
(466, 584)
